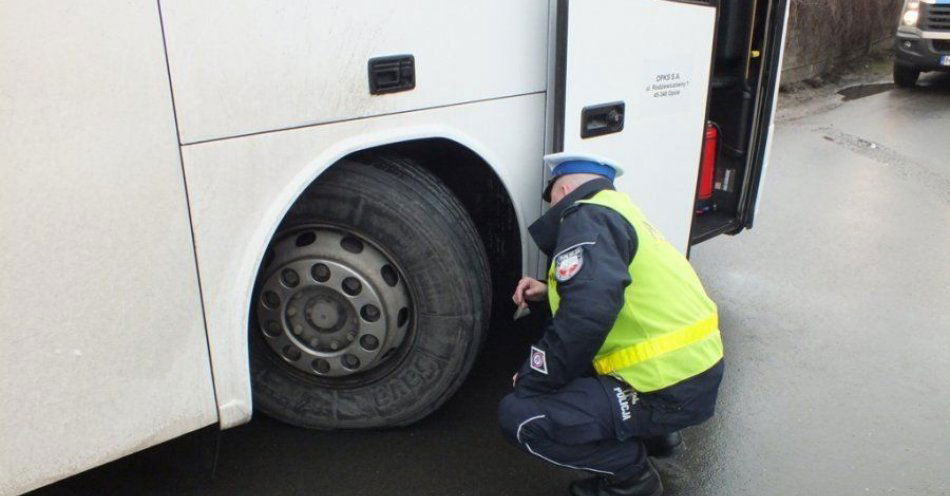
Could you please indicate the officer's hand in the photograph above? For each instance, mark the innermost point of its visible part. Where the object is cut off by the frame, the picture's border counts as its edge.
(514, 380)
(529, 289)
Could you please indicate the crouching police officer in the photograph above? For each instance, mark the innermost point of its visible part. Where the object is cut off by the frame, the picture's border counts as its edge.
(633, 352)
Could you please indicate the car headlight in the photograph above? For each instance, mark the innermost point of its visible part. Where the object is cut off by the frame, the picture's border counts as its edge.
(911, 13)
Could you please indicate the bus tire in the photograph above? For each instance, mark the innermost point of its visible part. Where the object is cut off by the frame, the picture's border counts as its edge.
(432, 303)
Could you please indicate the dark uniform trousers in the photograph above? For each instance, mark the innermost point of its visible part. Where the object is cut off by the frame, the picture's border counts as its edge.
(597, 423)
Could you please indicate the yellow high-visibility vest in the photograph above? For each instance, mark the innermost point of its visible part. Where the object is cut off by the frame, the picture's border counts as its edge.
(668, 328)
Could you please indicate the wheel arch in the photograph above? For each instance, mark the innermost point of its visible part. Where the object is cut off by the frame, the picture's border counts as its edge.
(483, 172)
(481, 191)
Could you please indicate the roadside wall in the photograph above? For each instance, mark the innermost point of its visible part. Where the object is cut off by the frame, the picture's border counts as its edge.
(825, 33)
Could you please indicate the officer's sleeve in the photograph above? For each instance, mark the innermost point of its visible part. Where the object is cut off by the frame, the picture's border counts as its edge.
(590, 299)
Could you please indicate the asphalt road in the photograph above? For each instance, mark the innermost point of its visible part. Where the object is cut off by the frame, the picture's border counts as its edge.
(833, 311)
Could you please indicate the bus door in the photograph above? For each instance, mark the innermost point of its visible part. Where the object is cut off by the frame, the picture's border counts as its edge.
(630, 82)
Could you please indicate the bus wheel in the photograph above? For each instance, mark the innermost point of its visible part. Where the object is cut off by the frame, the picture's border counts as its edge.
(372, 301)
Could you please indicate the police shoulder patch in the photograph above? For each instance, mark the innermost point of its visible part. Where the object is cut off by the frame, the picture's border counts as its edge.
(568, 263)
(539, 360)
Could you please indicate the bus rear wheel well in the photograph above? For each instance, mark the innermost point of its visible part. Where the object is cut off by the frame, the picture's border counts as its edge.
(373, 300)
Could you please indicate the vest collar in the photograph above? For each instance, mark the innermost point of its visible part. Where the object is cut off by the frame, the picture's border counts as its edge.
(545, 229)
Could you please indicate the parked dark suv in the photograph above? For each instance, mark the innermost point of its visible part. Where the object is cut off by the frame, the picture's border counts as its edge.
(923, 40)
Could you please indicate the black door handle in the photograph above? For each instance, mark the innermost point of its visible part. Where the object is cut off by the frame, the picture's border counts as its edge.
(605, 118)
(392, 74)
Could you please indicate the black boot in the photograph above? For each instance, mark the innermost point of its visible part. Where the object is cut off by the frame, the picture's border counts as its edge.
(663, 446)
(646, 483)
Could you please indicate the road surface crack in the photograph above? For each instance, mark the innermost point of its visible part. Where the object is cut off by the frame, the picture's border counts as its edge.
(904, 166)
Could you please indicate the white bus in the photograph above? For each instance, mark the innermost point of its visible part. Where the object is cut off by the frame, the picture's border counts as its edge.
(305, 207)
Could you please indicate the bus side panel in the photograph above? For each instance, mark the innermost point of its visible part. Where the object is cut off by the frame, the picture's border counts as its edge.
(104, 350)
(256, 65)
(241, 188)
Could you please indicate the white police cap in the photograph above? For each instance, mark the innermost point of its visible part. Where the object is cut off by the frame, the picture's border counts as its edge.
(578, 163)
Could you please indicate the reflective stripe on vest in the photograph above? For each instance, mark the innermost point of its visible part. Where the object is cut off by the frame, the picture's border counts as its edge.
(667, 329)
(645, 350)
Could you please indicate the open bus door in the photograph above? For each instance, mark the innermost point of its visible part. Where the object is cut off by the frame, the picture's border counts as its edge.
(769, 41)
(631, 81)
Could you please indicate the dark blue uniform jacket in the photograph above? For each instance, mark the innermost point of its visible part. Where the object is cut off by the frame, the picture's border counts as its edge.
(591, 299)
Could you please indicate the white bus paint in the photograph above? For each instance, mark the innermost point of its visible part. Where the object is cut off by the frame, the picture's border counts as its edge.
(242, 188)
(664, 91)
(113, 211)
(104, 350)
(244, 67)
